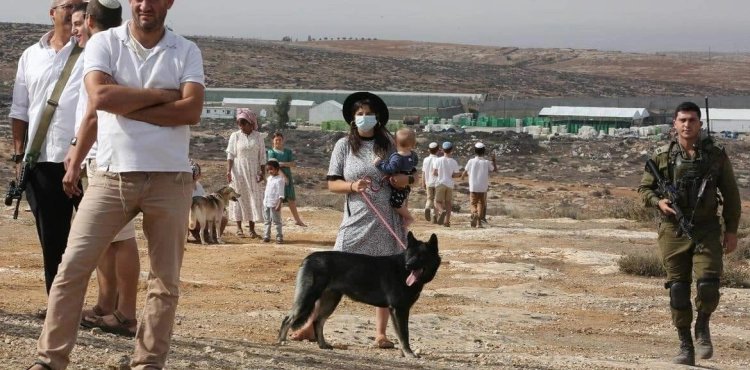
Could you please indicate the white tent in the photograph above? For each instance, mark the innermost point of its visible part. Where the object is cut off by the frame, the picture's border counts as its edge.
(599, 112)
(734, 120)
(326, 111)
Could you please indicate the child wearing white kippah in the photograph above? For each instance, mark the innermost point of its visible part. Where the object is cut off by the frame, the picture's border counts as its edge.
(429, 182)
(478, 169)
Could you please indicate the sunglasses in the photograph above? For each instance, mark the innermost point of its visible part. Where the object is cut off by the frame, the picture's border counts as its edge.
(67, 7)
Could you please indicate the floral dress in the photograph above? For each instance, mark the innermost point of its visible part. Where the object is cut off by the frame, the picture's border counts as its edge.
(248, 153)
(362, 231)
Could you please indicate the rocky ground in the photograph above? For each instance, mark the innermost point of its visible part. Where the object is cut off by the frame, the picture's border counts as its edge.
(384, 65)
(534, 290)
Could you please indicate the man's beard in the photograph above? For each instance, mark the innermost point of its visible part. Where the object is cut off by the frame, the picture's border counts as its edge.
(156, 25)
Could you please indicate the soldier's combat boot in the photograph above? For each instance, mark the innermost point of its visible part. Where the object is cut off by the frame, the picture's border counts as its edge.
(686, 356)
(703, 347)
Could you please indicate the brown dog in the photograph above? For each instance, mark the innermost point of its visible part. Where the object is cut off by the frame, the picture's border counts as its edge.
(207, 214)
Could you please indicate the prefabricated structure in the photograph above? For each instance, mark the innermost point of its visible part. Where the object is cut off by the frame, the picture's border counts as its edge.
(300, 109)
(326, 111)
(218, 113)
(423, 104)
(729, 120)
(601, 118)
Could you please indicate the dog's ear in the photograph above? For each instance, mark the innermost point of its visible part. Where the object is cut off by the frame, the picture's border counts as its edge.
(433, 242)
(410, 239)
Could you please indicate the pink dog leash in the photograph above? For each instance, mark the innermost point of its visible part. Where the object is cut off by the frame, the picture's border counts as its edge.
(380, 216)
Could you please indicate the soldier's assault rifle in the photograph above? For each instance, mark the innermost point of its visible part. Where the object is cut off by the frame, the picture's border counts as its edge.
(667, 191)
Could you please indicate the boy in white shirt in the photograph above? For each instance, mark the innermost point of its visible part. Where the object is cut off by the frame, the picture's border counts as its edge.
(274, 195)
(445, 169)
(428, 182)
(478, 169)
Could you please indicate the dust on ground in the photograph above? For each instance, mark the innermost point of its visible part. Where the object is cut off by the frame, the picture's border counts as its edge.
(533, 290)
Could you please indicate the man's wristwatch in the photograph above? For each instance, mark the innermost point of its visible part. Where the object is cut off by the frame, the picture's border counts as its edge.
(16, 158)
(73, 141)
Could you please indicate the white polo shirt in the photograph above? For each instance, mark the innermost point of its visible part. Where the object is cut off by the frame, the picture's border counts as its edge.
(38, 71)
(127, 145)
(429, 180)
(479, 173)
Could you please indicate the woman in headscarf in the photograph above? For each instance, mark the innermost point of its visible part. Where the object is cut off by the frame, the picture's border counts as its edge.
(246, 158)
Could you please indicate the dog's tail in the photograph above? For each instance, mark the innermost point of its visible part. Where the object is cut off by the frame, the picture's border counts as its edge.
(305, 296)
(194, 210)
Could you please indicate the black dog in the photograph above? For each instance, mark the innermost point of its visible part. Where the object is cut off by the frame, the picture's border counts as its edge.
(394, 282)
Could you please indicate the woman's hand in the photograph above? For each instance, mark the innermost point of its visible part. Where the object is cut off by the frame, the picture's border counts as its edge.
(360, 186)
(229, 177)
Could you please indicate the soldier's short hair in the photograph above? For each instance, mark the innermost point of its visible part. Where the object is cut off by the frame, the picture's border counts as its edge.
(687, 107)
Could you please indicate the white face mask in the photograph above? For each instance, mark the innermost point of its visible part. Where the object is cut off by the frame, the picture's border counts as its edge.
(365, 123)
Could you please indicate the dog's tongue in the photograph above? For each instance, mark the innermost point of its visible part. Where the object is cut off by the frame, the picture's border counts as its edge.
(412, 278)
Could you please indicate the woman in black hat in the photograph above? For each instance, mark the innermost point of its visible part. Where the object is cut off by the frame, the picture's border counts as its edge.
(352, 173)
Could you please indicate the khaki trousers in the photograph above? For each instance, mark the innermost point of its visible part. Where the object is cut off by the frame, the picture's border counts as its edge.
(477, 201)
(111, 202)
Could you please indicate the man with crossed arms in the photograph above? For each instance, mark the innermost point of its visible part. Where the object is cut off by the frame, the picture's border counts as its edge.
(146, 133)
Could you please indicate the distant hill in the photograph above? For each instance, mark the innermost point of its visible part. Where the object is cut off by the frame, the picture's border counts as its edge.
(419, 66)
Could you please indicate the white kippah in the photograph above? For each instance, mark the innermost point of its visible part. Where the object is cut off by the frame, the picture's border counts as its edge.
(479, 145)
(433, 145)
(112, 4)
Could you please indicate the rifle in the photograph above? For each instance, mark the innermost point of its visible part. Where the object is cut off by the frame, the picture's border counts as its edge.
(666, 190)
(15, 190)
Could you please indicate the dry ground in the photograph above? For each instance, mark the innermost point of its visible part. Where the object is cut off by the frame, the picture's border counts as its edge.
(527, 292)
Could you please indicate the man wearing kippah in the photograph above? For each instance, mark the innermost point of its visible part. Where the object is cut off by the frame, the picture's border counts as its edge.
(428, 182)
(478, 169)
(445, 169)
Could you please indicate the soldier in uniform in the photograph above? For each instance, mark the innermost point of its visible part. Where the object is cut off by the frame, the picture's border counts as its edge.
(698, 169)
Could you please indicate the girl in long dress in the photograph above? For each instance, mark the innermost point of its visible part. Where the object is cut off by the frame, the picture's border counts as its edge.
(246, 158)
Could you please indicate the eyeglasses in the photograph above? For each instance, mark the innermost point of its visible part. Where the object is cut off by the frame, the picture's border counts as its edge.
(67, 7)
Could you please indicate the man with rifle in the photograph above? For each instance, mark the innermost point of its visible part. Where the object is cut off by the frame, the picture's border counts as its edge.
(45, 95)
(692, 171)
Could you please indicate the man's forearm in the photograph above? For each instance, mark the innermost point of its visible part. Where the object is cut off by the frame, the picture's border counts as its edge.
(123, 100)
(179, 113)
(19, 129)
(86, 137)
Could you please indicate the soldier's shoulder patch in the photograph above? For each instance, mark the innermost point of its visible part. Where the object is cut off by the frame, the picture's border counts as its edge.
(662, 149)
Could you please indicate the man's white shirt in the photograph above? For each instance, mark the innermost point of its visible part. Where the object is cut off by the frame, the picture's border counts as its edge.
(127, 145)
(39, 68)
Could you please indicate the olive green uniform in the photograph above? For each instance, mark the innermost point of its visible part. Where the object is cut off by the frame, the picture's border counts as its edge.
(704, 253)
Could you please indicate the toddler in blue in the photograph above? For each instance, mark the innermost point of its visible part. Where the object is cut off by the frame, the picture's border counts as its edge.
(402, 161)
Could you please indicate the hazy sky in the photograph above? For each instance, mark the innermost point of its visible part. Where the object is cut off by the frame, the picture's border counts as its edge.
(632, 25)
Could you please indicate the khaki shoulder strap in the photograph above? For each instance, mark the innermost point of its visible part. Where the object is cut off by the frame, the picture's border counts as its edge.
(33, 151)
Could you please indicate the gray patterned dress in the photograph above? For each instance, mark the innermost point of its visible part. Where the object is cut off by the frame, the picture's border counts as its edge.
(361, 231)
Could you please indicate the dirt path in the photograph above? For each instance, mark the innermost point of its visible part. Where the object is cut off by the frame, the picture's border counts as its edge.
(536, 294)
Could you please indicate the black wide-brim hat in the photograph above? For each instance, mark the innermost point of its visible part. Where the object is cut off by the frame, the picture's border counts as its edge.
(377, 105)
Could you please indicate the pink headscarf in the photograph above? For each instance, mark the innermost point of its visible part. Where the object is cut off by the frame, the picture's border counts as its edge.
(248, 115)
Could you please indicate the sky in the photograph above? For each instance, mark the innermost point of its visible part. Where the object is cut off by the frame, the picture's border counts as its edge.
(632, 25)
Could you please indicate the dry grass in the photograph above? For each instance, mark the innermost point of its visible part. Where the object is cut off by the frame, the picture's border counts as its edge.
(736, 268)
(630, 209)
(642, 264)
